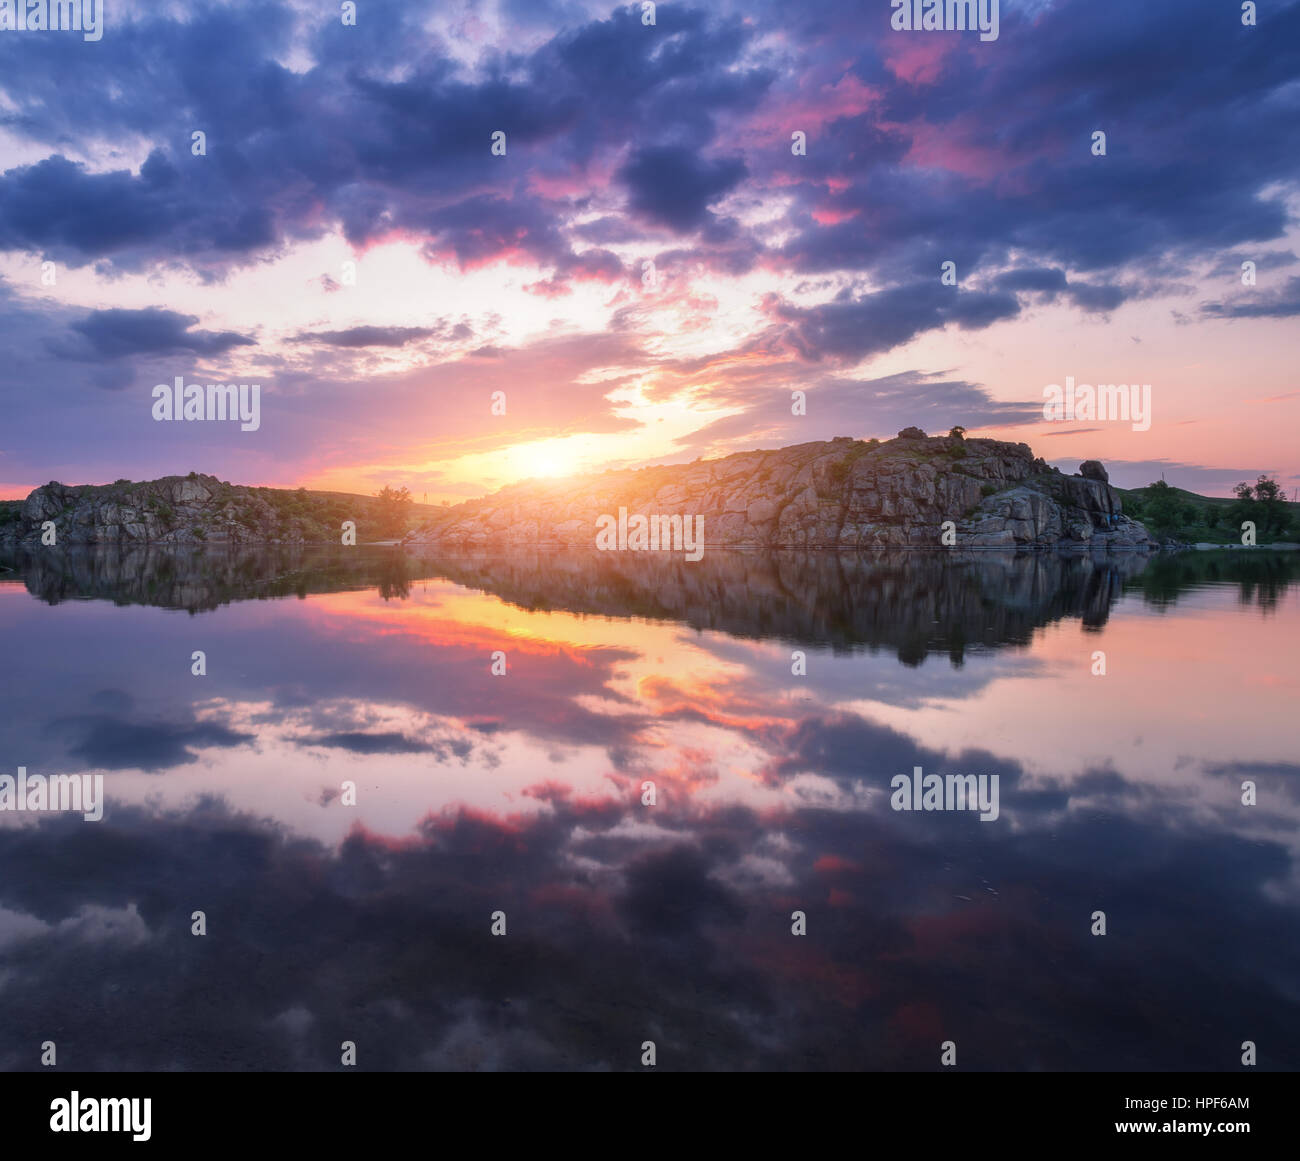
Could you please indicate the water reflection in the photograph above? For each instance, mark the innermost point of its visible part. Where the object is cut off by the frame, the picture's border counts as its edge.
(670, 922)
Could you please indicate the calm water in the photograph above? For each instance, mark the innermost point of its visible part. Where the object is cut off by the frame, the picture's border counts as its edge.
(668, 922)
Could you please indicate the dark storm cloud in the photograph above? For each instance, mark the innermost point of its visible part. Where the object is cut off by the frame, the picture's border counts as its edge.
(1096, 298)
(361, 743)
(1229, 264)
(673, 187)
(369, 336)
(60, 209)
(484, 227)
(119, 334)
(1270, 778)
(669, 85)
(292, 154)
(1051, 283)
(1282, 304)
(1033, 186)
(1044, 279)
(852, 328)
(390, 742)
(289, 153)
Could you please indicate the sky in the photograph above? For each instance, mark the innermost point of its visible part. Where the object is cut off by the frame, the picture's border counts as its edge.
(651, 266)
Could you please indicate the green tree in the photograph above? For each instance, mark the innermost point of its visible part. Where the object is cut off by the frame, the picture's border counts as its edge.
(1162, 510)
(1244, 508)
(1272, 504)
(394, 510)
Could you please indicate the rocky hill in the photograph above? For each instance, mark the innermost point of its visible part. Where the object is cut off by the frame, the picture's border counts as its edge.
(193, 509)
(844, 493)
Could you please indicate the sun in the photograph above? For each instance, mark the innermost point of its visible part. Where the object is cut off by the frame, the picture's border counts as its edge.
(544, 460)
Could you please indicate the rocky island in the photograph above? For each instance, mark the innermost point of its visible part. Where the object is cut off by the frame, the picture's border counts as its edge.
(192, 510)
(841, 493)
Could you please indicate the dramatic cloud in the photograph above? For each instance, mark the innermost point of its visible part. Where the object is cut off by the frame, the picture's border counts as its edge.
(119, 334)
(371, 336)
(1282, 304)
(863, 408)
(625, 142)
(851, 328)
(674, 188)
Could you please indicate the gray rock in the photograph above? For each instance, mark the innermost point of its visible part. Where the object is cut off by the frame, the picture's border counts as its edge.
(842, 493)
(194, 509)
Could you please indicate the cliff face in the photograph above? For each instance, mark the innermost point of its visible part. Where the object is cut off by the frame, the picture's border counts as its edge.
(838, 494)
(194, 510)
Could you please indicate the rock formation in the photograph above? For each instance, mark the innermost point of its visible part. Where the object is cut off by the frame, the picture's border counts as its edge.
(844, 493)
(187, 510)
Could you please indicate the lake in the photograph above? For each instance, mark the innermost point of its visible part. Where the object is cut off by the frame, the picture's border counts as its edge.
(646, 775)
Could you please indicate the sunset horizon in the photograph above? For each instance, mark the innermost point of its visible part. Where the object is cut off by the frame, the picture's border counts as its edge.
(648, 536)
(745, 211)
